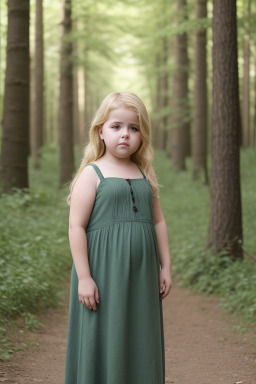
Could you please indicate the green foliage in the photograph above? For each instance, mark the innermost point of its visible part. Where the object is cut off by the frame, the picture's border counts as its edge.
(187, 26)
(34, 251)
(186, 209)
(31, 321)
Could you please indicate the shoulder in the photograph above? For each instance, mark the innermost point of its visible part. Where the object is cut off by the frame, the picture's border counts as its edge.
(83, 197)
(88, 175)
(86, 183)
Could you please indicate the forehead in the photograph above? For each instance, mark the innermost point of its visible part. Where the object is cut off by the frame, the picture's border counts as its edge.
(125, 115)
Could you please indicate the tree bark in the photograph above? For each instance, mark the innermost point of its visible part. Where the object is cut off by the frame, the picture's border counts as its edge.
(225, 229)
(76, 109)
(87, 107)
(180, 132)
(1, 75)
(199, 150)
(37, 120)
(15, 140)
(65, 123)
(76, 113)
(246, 85)
(254, 117)
(162, 97)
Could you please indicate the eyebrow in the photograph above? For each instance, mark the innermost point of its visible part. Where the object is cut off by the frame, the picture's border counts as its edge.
(121, 122)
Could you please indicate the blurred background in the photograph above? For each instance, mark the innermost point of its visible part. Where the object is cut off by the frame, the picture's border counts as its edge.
(193, 63)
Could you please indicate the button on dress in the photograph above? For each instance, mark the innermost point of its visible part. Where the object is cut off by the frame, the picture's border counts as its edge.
(123, 341)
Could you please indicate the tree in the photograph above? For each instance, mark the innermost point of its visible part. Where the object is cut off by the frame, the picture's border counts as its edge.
(2, 49)
(246, 83)
(65, 123)
(162, 79)
(180, 134)
(15, 140)
(225, 229)
(199, 149)
(37, 126)
(160, 132)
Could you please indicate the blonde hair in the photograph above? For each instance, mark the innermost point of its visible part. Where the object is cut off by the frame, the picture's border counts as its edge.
(143, 157)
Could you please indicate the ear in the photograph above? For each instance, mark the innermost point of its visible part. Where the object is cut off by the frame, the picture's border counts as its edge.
(101, 131)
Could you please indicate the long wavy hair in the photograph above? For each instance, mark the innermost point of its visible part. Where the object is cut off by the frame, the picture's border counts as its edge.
(144, 155)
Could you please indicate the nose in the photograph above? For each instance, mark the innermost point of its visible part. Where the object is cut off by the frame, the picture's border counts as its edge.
(125, 132)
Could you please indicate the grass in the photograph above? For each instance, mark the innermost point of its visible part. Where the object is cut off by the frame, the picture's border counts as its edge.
(35, 255)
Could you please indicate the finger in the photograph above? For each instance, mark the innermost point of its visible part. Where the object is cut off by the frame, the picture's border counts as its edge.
(162, 288)
(97, 296)
(161, 284)
(163, 296)
(166, 292)
(82, 299)
(87, 303)
(93, 304)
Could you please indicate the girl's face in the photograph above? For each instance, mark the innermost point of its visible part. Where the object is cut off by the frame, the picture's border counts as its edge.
(121, 133)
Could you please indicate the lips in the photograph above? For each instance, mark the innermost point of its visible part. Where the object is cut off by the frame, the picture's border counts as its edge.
(124, 144)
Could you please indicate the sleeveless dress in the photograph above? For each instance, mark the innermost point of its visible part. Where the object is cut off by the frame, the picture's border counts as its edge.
(123, 341)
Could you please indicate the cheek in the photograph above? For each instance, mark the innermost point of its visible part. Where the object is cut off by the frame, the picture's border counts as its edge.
(139, 143)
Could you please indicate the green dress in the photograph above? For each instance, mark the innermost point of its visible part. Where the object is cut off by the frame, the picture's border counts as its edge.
(123, 341)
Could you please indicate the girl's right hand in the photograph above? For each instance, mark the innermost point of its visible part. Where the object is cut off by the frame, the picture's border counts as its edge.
(88, 292)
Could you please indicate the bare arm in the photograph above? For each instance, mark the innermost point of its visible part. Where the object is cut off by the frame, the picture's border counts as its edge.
(81, 205)
(162, 235)
(165, 279)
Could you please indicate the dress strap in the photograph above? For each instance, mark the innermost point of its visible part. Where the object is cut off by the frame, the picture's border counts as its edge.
(142, 173)
(97, 170)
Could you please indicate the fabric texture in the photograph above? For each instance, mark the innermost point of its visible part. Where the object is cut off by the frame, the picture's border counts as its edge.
(123, 341)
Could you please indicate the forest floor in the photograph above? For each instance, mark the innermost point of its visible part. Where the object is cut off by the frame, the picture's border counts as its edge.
(202, 345)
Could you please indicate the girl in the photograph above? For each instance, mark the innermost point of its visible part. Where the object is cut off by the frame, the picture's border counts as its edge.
(118, 240)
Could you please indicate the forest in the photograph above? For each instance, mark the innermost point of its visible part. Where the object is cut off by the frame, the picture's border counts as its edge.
(193, 63)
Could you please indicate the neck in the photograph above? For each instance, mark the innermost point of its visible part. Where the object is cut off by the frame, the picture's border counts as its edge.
(117, 161)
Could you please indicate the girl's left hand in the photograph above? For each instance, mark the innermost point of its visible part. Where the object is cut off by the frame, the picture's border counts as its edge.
(165, 282)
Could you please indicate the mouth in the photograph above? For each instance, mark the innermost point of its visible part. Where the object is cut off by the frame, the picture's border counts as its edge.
(124, 144)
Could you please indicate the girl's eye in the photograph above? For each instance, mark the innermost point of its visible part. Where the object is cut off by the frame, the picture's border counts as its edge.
(116, 126)
(134, 129)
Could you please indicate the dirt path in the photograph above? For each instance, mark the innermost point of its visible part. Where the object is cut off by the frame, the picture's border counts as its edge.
(201, 346)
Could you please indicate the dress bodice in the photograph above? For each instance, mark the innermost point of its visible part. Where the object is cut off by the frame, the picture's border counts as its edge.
(114, 201)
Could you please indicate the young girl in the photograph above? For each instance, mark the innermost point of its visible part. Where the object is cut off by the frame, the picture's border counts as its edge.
(118, 240)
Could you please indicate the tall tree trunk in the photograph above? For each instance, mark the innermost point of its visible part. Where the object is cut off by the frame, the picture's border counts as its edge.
(162, 97)
(180, 135)
(37, 119)
(225, 229)
(87, 107)
(51, 109)
(76, 114)
(171, 96)
(254, 117)
(66, 99)
(15, 141)
(1, 77)
(246, 84)
(199, 152)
